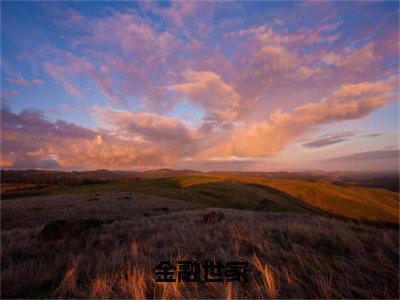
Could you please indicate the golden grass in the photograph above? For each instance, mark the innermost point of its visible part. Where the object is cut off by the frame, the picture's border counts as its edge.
(100, 288)
(246, 192)
(289, 255)
(68, 284)
(7, 187)
(360, 203)
(348, 201)
(267, 278)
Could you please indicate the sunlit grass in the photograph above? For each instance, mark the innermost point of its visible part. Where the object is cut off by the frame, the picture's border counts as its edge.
(289, 255)
(245, 192)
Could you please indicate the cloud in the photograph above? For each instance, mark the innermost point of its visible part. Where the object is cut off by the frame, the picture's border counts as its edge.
(259, 88)
(76, 66)
(207, 90)
(32, 121)
(303, 36)
(329, 139)
(147, 139)
(37, 81)
(8, 93)
(148, 126)
(338, 137)
(62, 74)
(30, 140)
(24, 82)
(179, 11)
(357, 59)
(365, 156)
(371, 135)
(19, 81)
(41, 163)
(129, 58)
(142, 60)
(351, 101)
(277, 68)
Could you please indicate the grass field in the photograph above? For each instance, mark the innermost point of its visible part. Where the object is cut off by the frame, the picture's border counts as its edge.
(302, 239)
(290, 256)
(240, 192)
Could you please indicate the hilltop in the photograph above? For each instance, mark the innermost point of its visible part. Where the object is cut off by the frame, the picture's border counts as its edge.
(387, 180)
(255, 191)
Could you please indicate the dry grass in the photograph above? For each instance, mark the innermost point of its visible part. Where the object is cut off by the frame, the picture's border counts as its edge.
(267, 277)
(245, 192)
(105, 241)
(8, 187)
(354, 202)
(28, 212)
(290, 256)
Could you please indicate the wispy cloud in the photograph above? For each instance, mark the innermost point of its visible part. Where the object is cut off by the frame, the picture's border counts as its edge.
(338, 137)
(329, 139)
(371, 135)
(253, 87)
(365, 156)
(8, 93)
(24, 82)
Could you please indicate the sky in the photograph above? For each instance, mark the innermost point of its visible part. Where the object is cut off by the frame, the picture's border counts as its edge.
(249, 86)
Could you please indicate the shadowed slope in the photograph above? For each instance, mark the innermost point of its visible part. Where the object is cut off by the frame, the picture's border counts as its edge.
(290, 256)
(245, 192)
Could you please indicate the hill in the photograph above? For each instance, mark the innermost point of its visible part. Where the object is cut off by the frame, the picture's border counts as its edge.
(249, 192)
(387, 180)
(301, 239)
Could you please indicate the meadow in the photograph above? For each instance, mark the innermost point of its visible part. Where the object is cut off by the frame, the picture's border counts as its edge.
(302, 239)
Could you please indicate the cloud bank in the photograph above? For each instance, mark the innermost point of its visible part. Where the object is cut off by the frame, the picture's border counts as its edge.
(253, 89)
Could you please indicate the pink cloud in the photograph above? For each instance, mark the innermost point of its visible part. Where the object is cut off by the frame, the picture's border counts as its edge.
(144, 140)
(24, 82)
(351, 101)
(19, 81)
(145, 126)
(38, 81)
(8, 93)
(356, 60)
(62, 74)
(268, 71)
(30, 140)
(209, 91)
(330, 139)
(76, 66)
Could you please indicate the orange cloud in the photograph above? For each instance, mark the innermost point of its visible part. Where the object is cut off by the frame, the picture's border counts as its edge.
(207, 90)
(357, 59)
(145, 140)
(352, 101)
(144, 126)
(30, 141)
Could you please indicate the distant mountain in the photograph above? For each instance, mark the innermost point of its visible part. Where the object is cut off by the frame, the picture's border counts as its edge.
(58, 177)
(169, 173)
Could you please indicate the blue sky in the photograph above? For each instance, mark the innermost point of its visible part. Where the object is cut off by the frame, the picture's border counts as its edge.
(139, 85)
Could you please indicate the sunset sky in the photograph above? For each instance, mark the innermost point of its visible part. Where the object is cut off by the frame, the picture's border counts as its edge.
(202, 85)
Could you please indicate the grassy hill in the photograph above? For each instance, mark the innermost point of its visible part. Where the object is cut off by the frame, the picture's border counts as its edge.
(349, 201)
(255, 193)
(354, 202)
(103, 240)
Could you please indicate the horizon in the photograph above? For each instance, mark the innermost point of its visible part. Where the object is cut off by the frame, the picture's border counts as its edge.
(382, 172)
(208, 86)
